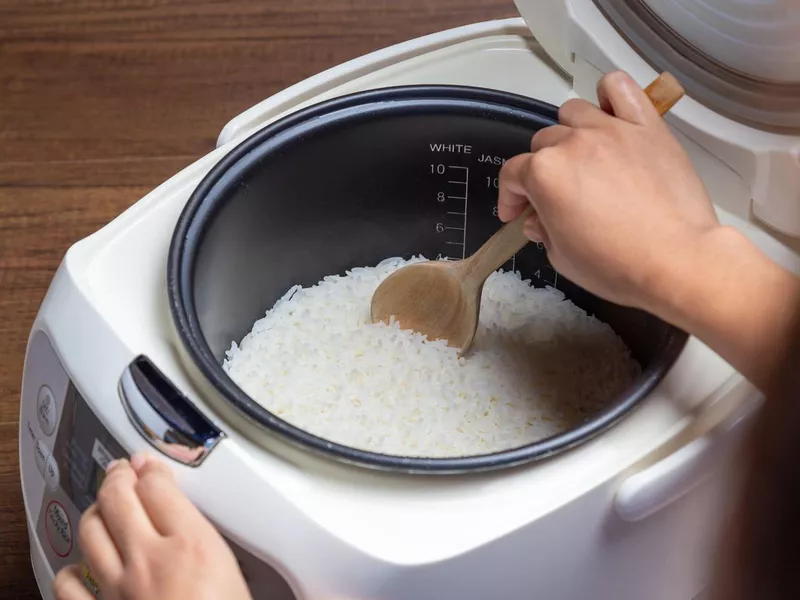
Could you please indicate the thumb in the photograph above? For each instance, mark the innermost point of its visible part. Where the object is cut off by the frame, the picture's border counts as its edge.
(619, 95)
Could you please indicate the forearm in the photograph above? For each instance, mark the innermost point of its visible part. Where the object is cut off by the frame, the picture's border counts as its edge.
(732, 297)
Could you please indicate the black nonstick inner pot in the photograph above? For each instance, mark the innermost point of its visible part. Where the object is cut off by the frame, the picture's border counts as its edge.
(350, 182)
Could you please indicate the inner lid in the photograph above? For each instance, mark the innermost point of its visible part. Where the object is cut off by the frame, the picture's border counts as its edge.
(741, 58)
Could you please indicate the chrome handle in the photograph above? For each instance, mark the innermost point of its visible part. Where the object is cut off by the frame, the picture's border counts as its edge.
(164, 416)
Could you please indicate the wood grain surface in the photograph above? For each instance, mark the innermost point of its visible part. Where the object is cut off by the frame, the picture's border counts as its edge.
(102, 100)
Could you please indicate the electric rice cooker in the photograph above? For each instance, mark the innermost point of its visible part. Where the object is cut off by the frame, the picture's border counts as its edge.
(125, 354)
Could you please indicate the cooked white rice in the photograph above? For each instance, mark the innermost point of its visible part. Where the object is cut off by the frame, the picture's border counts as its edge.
(539, 365)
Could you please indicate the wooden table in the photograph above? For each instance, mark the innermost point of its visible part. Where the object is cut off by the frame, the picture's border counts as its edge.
(100, 101)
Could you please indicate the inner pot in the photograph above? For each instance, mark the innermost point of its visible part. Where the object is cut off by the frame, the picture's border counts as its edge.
(350, 182)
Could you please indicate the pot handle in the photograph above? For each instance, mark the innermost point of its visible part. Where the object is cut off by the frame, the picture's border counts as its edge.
(164, 416)
(690, 459)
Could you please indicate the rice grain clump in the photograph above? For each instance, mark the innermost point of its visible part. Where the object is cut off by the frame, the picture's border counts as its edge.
(539, 366)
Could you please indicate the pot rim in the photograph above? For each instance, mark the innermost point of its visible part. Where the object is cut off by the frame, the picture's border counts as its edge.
(198, 213)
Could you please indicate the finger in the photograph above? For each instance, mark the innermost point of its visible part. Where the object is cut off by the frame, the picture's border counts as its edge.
(512, 197)
(68, 585)
(549, 136)
(122, 511)
(99, 550)
(577, 112)
(534, 230)
(167, 506)
(621, 96)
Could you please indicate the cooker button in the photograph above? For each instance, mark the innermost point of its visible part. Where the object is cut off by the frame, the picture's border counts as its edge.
(52, 476)
(58, 529)
(40, 454)
(46, 410)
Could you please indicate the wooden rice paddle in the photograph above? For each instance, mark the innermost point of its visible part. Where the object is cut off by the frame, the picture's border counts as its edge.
(441, 299)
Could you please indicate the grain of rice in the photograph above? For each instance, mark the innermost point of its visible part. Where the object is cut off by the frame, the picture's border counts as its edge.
(539, 366)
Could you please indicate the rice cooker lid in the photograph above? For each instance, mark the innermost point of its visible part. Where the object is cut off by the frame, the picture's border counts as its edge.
(741, 58)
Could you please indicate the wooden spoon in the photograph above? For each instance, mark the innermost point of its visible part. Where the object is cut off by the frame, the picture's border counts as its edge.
(441, 299)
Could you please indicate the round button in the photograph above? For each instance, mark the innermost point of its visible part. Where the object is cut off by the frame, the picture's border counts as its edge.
(41, 452)
(52, 476)
(58, 529)
(46, 410)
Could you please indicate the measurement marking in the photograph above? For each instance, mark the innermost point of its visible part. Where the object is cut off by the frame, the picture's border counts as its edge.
(456, 196)
(466, 201)
(514, 263)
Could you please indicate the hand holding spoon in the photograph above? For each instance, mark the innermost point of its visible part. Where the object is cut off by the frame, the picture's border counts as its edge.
(441, 299)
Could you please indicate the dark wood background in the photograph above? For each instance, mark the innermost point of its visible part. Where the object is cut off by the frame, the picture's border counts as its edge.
(102, 100)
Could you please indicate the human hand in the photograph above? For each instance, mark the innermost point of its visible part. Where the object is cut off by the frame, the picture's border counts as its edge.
(617, 201)
(144, 540)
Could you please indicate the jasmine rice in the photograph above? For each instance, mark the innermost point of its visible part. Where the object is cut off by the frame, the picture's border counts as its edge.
(539, 365)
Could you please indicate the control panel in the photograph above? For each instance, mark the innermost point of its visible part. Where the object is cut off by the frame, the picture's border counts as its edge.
(64, 452)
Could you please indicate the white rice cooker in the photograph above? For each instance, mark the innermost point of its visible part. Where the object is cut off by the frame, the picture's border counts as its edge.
(124, 354)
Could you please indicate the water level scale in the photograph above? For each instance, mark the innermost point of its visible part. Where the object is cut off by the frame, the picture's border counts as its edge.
(463, 181)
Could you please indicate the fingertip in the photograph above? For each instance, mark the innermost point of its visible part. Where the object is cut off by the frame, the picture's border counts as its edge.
(619, 82)
(115, 466)
(618, 79)
(120, 474)
(620, 95)
(510, 204)
(569, 106)
(138, 461)
(118, 478)
(150, 465)
(68, 585)
(510, 211)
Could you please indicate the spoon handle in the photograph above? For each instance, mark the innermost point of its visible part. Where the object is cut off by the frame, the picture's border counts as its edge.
(498, 249)
(664, 91)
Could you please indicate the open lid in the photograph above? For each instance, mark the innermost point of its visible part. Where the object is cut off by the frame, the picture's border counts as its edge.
(740, 58)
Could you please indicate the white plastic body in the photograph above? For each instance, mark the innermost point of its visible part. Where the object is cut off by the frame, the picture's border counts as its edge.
(765, 166)
(557, 529)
